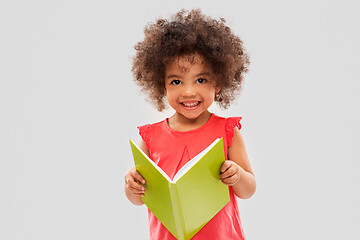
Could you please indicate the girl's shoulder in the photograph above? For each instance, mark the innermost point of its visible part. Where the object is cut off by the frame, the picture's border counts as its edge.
(146, 130)
(229, 124)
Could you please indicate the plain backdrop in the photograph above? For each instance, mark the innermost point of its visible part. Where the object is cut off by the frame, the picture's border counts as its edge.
(69, 107)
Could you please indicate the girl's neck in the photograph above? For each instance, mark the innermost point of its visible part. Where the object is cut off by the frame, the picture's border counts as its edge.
(180, 123)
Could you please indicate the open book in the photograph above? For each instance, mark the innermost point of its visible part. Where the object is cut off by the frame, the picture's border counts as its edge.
(195, 195)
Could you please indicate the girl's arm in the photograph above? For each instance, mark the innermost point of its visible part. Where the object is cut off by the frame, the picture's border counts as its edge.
(236, 171)
(133, 189)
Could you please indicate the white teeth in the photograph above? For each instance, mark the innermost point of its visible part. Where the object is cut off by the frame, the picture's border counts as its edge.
(193, 104)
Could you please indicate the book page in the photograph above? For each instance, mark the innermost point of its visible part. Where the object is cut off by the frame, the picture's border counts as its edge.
(192, 162)
(153, 163)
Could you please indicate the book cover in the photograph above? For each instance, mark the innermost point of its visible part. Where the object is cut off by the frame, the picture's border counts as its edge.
(195, 195)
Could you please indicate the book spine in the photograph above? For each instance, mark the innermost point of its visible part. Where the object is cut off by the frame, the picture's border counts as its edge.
(179, 221)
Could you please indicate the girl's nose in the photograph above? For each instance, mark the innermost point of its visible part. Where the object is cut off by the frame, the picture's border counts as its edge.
(189, 91)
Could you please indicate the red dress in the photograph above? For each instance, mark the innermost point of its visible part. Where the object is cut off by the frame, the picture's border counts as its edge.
(171, 149)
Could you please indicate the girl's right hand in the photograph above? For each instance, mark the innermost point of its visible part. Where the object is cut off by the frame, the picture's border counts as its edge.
(133, 188)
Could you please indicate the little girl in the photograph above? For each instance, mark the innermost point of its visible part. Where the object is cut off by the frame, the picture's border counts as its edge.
(191, 61)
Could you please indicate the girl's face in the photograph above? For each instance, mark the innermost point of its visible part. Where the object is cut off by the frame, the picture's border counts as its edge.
(189, 87)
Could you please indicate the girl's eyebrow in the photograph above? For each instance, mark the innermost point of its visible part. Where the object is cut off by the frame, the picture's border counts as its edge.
(173, 76)
(202, 74)
(196, 75)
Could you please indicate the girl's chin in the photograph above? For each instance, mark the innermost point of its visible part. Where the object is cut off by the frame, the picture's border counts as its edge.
(191, 112)
(192, 115)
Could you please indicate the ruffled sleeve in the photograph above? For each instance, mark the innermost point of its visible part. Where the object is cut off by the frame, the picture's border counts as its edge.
(144, 132)
(230, 124)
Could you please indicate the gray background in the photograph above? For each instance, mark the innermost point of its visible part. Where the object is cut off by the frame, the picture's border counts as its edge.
(69, 106)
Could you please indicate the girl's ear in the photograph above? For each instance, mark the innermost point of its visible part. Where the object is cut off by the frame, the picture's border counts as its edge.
(217, 90)
(217, 94)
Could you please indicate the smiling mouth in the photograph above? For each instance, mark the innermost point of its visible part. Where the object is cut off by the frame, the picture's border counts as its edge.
(190, 104)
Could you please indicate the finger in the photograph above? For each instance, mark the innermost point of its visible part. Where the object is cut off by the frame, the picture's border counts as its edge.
(137, 176)
(138, 193)
(133, 175)
(231, 180)
(228, 178)
(225, 166)
(136, 189)
(229, 172)
(133, 184)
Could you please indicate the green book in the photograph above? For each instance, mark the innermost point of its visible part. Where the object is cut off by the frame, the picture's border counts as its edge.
(195, 195)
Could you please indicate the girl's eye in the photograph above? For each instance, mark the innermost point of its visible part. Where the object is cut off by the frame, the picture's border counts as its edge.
(175, 82)
(201, 80)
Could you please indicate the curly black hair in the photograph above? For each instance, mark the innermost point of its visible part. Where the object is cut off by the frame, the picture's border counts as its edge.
(189, 32)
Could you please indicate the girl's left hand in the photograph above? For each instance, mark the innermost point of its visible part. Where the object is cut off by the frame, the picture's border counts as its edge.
(230, 173)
